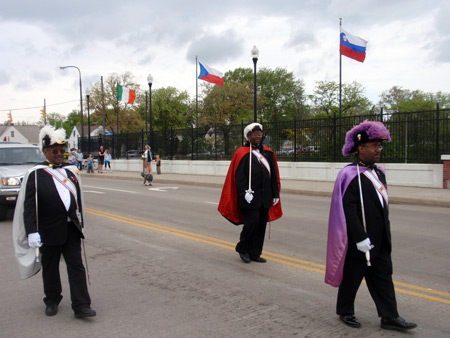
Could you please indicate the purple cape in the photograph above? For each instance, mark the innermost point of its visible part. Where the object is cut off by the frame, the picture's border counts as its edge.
(337, 226)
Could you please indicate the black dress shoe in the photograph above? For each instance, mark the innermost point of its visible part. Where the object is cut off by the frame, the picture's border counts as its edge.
(51, 310)
(84, 313)
(398, 323)
(350, 320)
(259, 260)
(245, 257)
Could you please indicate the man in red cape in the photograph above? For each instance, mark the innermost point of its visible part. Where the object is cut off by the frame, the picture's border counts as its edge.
(253, 199)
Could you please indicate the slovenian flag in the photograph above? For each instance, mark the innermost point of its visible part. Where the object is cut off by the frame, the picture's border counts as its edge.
(352, 46)
(125, 94)
(210, 75)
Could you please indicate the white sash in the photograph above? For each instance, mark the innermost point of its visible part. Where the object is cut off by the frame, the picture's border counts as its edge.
(380, 188)
(262, 160)
(61, 177)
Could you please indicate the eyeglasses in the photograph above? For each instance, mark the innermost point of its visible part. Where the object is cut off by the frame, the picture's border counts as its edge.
(256, 135)
(56, 151)
(374, 146)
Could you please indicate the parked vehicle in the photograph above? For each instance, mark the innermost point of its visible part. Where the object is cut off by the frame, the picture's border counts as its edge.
(94, 164)
(133, 153)
(15, 160)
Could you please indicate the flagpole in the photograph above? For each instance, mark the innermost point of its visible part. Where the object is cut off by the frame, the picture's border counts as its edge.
(340, 70)
(340, 91)
(196, 91)
(117, 130)
(196, 103)
(103, 108)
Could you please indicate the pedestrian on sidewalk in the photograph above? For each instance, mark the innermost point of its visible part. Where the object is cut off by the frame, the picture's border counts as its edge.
(50, 211)
(101, 159)
(108, 160)
(158, 164)
(359, 236)
(251, 193)
(79, 159)
(147, 157)
(90, 164)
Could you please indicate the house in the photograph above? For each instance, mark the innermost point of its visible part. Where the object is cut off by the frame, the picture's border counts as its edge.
(76, 133)
(27, 134)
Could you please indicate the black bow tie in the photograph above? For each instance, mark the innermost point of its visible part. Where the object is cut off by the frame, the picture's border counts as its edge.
(55, 166)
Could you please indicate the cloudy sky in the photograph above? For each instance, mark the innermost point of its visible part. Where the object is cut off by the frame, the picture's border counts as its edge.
(409, 44)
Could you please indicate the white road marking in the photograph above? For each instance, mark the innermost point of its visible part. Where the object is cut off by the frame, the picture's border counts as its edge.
(95, 192)
(163, 189)
(119, 190)
(215, 203)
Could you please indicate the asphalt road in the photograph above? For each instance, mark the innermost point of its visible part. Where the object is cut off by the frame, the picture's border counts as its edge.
(162, 264)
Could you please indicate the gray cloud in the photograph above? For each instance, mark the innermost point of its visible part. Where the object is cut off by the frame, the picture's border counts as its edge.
(216, 48)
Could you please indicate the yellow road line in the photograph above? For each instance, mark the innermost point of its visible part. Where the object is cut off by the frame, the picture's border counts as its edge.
(274, 257)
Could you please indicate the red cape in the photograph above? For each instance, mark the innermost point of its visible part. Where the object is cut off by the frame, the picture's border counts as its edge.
(228, 205)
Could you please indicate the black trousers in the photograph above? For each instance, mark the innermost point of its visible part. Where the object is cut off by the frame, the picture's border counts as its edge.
(379, 282)
(253, 233)
(71, 251)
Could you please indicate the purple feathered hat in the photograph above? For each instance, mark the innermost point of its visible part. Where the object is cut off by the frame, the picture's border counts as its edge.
(362, 133)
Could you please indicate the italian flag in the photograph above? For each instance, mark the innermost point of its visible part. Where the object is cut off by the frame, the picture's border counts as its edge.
(125, 94)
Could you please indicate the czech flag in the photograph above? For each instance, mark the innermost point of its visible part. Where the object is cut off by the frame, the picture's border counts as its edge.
(210, 75)
(352, 46)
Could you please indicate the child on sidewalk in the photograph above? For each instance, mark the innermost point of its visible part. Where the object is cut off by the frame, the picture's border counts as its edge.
(90, 162)
(158, 165)
(108, 160)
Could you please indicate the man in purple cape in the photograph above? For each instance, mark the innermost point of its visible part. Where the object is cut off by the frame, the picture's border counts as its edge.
(359, 235)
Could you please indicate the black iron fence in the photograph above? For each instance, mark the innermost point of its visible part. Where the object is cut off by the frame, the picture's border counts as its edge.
(417, 137)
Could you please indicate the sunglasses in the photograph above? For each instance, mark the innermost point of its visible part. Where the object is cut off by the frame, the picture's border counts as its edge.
(374, 146)
(57, 151)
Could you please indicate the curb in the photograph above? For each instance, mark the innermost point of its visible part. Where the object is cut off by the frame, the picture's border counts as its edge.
(316, 193)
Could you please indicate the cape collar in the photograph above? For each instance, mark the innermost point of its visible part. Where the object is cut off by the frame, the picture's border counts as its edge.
(361, 163)
(54, 166)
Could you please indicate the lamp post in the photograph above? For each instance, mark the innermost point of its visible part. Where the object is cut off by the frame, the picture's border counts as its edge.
(255, 54)
(150, 82)
(81, 101)
(89, 125)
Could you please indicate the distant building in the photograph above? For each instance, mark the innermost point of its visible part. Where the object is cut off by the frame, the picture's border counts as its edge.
(76, 133)
(28, 134)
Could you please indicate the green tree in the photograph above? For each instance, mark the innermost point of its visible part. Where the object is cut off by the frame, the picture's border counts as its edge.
(325, 99)
(56, 120)
(72, 120)
(227, 105)
(170, 109)
(398, 99)
(282, 94)
(129, 116)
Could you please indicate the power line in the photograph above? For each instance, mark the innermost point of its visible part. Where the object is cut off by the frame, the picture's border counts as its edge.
(37, 107)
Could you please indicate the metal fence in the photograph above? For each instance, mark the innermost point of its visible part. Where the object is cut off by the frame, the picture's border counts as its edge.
(417, 137)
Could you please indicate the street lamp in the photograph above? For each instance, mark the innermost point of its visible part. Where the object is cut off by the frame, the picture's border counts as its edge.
(255, 54)
(150, 82)
(81, 101)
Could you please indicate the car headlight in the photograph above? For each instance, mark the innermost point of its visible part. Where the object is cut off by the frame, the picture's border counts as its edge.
(11, 181)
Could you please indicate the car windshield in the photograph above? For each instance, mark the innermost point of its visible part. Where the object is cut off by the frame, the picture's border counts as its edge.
(17, 156)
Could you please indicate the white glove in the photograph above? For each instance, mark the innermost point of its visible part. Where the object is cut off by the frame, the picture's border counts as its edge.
(248, 197)
(364, 245)
(34, 240)
(275, 201)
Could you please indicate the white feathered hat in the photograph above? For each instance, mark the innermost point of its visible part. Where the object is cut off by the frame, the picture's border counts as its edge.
(250, 128)
(49, 137)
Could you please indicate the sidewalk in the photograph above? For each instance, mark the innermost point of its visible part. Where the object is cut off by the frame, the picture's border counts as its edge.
(397, 194)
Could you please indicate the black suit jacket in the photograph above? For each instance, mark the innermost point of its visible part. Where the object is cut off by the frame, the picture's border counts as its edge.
(377, 217)
(265, 186)
(52, 222)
